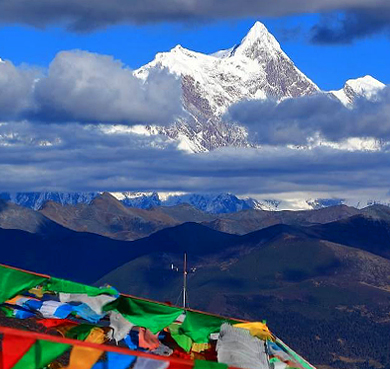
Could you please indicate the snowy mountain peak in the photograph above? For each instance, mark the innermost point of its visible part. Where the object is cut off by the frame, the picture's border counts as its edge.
(179, 49)
(257, 42)
(2, 61)
(364, 87)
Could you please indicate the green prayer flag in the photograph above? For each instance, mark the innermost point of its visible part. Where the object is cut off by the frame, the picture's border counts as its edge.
(80, 332)
(61, 285)
(9, 313)
(181, 339)
(199, 326)
(150, 315)
(41, 354)
(203, 364)
(13, 282)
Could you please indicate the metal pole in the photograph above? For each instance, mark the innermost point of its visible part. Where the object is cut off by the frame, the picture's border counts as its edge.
(185, 281)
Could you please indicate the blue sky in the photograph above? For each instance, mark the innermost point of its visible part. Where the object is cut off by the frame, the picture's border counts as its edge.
(327, 65)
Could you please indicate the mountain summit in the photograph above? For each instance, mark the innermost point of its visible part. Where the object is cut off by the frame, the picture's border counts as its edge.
(258, 39)
(257, 43)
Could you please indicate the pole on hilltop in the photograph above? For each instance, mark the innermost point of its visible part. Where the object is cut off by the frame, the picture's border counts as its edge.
(185, 281)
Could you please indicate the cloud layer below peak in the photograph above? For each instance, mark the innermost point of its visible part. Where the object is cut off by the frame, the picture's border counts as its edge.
(298, 121)
(74, 157)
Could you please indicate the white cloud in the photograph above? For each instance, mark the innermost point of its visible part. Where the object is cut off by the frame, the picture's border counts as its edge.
(88, 88)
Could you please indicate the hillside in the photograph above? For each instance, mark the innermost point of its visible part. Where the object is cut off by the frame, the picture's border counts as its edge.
(65, 253)
(329, 300)
(366, 233)
(17, 217)
(107, 216)
(247, 221)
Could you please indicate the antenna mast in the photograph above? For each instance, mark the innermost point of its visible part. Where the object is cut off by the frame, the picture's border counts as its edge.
(185, 281)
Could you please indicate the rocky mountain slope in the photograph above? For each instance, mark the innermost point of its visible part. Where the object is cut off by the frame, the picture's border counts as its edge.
(107, 216)
(13, 216)
(35, 200)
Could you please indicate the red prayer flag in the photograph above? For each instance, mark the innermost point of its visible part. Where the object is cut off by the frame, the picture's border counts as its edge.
(53, 323)
(13, 349)
(173, 365)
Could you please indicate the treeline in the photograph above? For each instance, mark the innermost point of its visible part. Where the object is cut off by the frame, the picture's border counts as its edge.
(324, 341)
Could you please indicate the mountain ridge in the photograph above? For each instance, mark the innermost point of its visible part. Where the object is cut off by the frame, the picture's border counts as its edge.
(105, 215)
(210, 203)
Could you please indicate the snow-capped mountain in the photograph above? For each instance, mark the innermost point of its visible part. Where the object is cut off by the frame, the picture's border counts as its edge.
(316, 204)
(216, 203)
(209, 203)
(365, 87)
(141, 200)
(257, 68)
(35, 200)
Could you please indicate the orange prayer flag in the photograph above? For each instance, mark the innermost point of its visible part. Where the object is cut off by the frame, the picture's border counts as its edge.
(147, 339)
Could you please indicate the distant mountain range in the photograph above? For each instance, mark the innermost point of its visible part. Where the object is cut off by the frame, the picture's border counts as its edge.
(223, 203)
(321, 277)
(210, 203)
(107, 216)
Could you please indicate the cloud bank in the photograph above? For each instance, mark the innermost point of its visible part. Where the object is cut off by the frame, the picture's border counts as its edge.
(89, 88)
(296, 121)
(362, 17)
(73, 157)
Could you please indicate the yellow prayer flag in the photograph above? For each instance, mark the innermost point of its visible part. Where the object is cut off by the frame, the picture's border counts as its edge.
(86, 357)
(257, 329)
